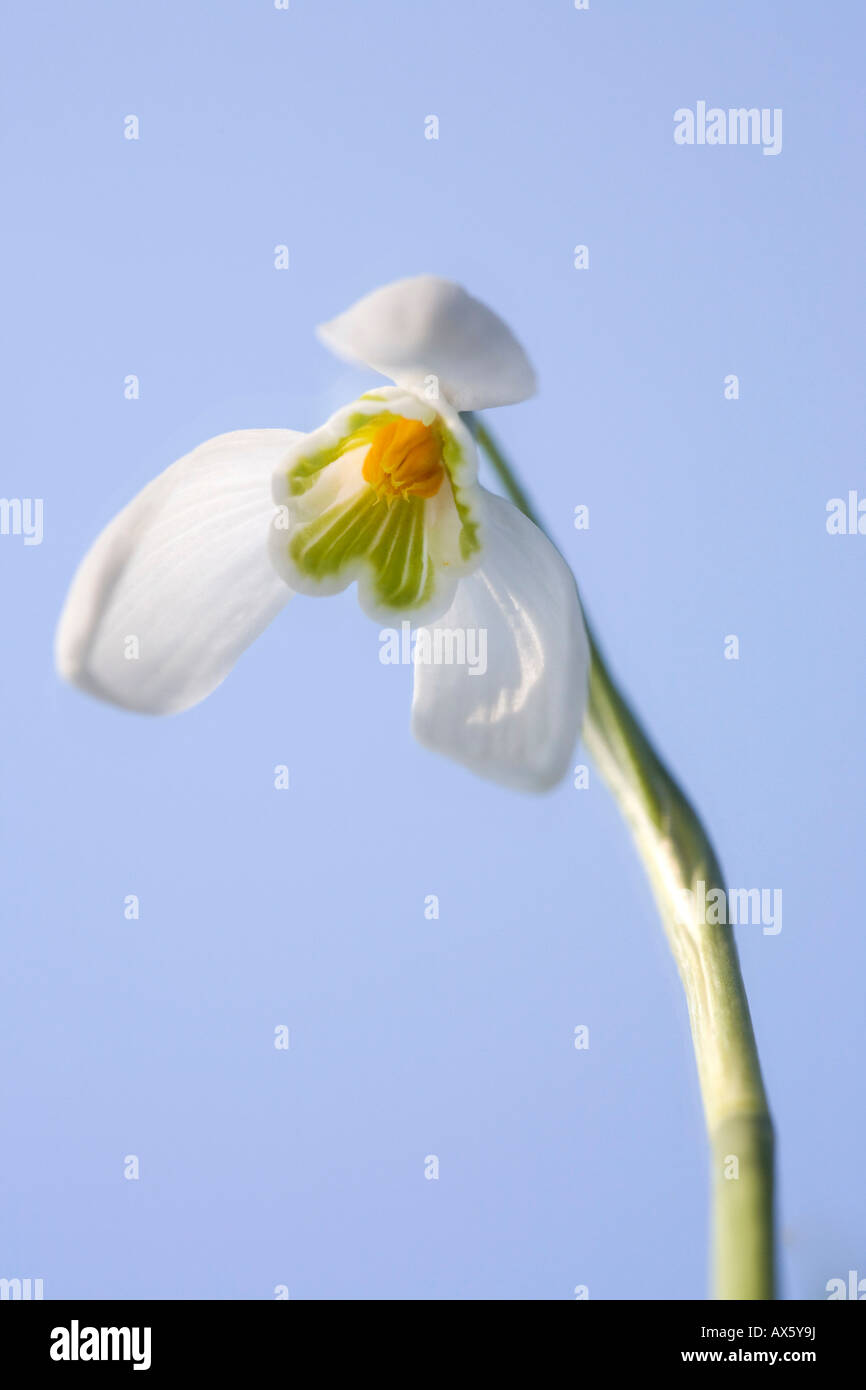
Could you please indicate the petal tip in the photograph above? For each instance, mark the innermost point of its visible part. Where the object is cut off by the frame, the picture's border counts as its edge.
(426, 326)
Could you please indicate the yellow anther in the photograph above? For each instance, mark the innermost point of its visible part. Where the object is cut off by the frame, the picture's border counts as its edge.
(404, 460)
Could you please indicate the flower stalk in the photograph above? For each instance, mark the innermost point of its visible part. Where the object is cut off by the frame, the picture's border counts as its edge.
(678, 856)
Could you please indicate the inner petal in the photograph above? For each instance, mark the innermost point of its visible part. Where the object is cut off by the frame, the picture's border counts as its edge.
(391, 539)
(384, 494)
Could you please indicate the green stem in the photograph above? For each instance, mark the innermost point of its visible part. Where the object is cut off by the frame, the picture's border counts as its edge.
(681, 865)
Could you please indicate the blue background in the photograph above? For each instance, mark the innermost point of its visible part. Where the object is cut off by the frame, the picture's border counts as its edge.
(305, 907)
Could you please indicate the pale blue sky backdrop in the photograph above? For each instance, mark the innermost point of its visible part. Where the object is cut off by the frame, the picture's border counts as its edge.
(409, 1037)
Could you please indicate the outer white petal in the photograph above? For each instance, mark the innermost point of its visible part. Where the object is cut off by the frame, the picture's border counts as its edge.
(184, 570)
(518, 722)
(425, 327)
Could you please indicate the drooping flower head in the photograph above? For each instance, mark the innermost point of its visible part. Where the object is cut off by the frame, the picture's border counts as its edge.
(386, 494)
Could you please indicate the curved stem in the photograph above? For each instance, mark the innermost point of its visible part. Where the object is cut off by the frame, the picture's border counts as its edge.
(684, 873)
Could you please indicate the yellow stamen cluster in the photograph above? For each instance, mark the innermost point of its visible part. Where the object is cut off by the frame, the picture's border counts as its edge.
(404, 460)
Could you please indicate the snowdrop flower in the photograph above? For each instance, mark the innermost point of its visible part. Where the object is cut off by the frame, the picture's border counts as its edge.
(385, 493)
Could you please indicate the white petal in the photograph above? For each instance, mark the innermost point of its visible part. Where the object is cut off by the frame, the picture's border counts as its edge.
(425, 327)
(517, 722)
(183, 572)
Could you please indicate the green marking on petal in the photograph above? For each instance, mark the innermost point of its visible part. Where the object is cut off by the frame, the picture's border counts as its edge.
(402, 546)
(452, 458)
(360, 429)
(391, 538)
(404, 571)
